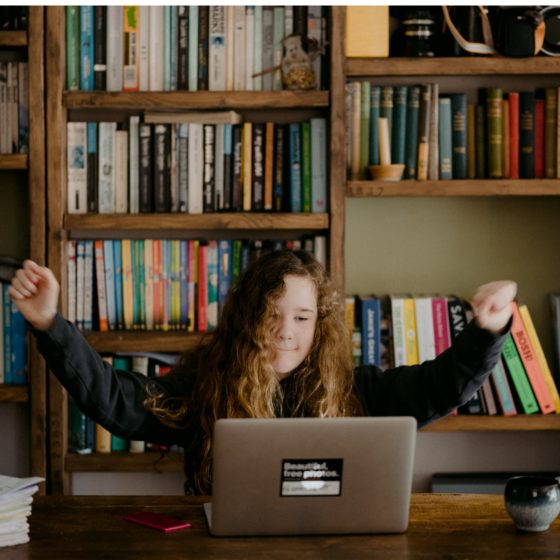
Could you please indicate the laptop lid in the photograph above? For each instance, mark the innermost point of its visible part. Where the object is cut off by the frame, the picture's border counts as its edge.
(294, 476)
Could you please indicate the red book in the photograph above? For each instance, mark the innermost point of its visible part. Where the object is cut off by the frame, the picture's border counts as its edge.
(442, 334)
(513, 135)
(539, 138)
(531, 364)
(202, 288)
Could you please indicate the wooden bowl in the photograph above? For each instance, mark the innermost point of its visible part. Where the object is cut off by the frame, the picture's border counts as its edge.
(391, 172)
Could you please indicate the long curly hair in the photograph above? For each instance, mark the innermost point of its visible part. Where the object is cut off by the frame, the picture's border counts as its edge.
(231, 368)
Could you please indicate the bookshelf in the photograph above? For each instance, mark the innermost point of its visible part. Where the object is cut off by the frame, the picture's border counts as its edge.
(405, 197)
(63, 106)
(29, 46)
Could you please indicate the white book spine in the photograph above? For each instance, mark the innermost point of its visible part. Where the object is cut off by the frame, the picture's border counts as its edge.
(230, 46)
(320, 249)
(131, 54)
(114, 48)
(76, 143)
(219, 167)
(319, 165)
(156, 48)
(121, 172)
(397, 313)
(258, 49)
(249, 46)
(71, 281)
(425, 329)
(107, 135)
(88, 286)
(134, 165)
(149, 283)
(144, 47)
(239, 47)
(193, 48)
(195, 171)
(217, 49)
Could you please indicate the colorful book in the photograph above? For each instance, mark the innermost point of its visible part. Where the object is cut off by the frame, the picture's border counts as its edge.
(445, 139)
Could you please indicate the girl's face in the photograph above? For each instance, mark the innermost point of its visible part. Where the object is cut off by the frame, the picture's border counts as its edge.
(295, 325)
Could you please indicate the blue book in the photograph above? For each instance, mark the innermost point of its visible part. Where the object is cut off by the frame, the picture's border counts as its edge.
(7, 313)
(184, 284)
(411, 142)
(369, 322)
(398, 136)
(86, 47)
(173, 51)
(225, 253)
(110, 291)
(166, 48)
(18, 353)
(445, 147)
(319, 198)
(118, 279)
(375, 100)
(503, 391)
(212, 309)
(294, 159)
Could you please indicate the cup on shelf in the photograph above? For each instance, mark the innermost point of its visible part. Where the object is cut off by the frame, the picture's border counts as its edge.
(533, 502)
(387, 172)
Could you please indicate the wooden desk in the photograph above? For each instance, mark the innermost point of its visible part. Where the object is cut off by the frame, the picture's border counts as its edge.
(442, 526)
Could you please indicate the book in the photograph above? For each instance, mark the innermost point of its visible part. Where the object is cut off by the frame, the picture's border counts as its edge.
(513, 105)
(445, 139)
(156, 48)
(131, 75)
(442, 332)
(550, 131)
(306, 165)
(480, 138)
(471, 141)
(539, 152)
(494, 111)
(209, 164)
(106, 169)
(115, 47)
(294, 164)
(424, 132)
(100, 48)
(368, 320)
(531, 364)
(365, 117)
(92, 167)
(86, 49)
(72, 48)
(397, 317)
(503, 390)
(459, 134)
(411, 137)
(526, 134)
(433, 134)
(269, 163)
(258, 162)
(367, 31)
(398, 134)
(374, 101)
(319, 174)
(77, 167)
(425, 329)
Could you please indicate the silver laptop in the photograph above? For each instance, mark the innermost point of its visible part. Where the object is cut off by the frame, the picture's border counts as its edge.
(297, 476)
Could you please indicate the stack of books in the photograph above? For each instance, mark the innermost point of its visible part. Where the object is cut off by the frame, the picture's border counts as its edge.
(16, 496)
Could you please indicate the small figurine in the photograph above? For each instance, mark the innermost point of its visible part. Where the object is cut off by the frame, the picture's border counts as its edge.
(297, 71)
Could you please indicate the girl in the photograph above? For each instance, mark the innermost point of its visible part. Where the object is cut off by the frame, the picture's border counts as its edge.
(281, 349)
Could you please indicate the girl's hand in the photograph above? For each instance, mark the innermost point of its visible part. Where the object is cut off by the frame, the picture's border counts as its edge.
(34, 290)
(492, 304)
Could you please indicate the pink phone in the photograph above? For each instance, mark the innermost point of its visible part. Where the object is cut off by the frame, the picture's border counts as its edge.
(157, 521)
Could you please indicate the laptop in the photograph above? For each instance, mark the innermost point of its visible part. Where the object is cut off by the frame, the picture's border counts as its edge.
(305, 476)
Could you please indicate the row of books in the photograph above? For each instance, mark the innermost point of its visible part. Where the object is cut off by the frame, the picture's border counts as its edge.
(444, 136)
(393, 331)
(86, 436)
(167, 48)
(160, 284)
(13, 352)
(14, 108)
(183, 163)
(13, 18)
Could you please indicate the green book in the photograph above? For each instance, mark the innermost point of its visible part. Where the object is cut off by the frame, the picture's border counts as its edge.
(445, 148)
(411, 142)
(480, 137)
(72, 47)
(386, 108)
(305, 166)
(365, 117)
(519, 377)
(459, 134)
(123, 363)
(398, 134)
(495, 117)
(375, 100)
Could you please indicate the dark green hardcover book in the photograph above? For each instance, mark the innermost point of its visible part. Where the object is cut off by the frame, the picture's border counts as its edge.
(550, 134)
(398, 135)
(386, 107)
(495, 116)
(459, 134)
(526, 134)
(480, 135)
(365, 117)
(411, 143)
(306, 166)
(72, 47)
(375, 101)
(445, 149)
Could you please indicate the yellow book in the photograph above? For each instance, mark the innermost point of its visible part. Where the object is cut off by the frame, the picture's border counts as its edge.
(541, 358)
(410, 337)
(367, 31)
(175, 284)
(128, 285)
(247, 165)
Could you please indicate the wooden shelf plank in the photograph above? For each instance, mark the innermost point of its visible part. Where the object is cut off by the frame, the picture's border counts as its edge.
(452, 66)
(210, 221)
(214, 100)
(14, 393)
(13, 38)
(478, 187)
(125, 462)
(15, 162)
(482, 423)
(142, 341)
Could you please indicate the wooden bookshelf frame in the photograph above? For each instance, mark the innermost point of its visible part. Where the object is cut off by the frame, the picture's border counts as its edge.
(13, 162)
(13, 39)
(14, 393)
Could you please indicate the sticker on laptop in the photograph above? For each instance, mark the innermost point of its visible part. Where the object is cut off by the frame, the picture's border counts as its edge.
(311, 477)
